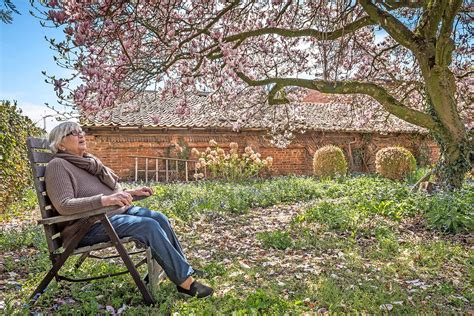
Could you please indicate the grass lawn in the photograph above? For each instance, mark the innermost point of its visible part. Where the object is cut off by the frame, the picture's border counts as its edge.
(285, 245)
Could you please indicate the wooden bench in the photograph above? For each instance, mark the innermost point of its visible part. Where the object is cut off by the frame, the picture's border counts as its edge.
(39, 155)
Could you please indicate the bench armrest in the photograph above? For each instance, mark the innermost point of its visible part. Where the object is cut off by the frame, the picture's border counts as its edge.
(66, 218)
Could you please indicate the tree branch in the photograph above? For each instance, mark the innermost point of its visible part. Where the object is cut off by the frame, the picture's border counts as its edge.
(392, 25)
(350, 28)
(280, 14)
(388, 102)
(445, 44)
(429, 20)
(273, 100)
(466, 74)
(211, 23)
(397, 4)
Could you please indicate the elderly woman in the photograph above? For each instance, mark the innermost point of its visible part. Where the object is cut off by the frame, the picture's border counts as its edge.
(78, 182)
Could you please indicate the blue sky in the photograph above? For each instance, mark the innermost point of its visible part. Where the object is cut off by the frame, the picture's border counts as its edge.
(24, 53)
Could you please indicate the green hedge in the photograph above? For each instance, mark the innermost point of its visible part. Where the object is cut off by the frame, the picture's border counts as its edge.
(15, 174)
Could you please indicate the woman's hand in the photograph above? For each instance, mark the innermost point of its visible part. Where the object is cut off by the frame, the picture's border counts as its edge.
(143, 191)
(119, 198)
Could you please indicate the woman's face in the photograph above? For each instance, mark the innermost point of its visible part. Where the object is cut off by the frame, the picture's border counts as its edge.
(74, 143)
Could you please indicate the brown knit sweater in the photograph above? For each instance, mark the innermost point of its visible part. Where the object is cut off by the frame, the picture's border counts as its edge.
(73, 190)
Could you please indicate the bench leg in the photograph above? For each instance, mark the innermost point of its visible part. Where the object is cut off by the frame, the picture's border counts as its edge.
(126, 259)
(61, 260)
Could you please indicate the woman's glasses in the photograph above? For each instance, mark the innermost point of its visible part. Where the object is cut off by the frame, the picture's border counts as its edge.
(75, 133)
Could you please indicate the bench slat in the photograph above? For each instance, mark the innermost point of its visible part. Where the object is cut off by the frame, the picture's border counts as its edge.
(41, 156)
(34, 142)
(40, 171)
(41, 187)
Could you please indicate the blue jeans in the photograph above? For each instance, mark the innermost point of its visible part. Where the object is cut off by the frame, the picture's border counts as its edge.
(152, 229)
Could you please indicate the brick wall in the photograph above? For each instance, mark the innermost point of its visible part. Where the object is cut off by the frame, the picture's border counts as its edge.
(115, 147)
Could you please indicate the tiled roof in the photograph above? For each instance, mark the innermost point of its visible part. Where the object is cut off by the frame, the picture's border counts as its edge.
(315, 96)
(150, 111)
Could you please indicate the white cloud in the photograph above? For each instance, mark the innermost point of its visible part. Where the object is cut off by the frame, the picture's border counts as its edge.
(41, 115)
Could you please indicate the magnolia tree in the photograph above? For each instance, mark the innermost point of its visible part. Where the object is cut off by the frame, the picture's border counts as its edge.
(7, 8)
(409, 58)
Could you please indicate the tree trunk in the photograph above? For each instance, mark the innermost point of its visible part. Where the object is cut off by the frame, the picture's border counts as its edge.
(451, 135)
(453, 163)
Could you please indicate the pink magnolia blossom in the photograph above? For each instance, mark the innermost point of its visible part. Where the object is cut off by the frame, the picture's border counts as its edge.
(239, 52)
(58, 86)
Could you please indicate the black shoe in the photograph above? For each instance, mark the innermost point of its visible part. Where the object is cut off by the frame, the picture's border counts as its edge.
(197, 289)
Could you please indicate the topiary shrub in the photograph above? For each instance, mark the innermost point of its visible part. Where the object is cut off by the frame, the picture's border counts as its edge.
(329, 161)
(394, 163)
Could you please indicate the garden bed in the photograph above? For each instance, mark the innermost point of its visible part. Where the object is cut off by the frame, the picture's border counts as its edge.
(281, 245)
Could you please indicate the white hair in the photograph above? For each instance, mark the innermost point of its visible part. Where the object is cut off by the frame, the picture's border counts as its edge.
(57, 134)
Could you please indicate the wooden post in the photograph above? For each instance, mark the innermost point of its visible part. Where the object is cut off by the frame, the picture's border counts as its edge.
(186, 169)
(167, 174)
(349, 153)
(177, 173)
(136, 169)
(156, 170)
(146, 169)
(195, 171)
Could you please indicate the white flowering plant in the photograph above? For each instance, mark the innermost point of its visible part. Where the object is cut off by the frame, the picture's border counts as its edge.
(218, 163)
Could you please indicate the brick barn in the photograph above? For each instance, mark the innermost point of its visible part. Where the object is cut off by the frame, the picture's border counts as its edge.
(150, 128)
